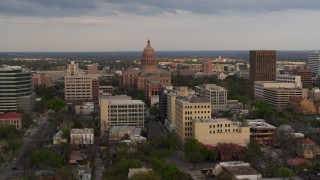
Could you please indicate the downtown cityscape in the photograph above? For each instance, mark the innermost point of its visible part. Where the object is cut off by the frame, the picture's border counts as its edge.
(147, 90)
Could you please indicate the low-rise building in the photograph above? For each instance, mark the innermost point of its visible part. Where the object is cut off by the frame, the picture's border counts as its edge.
(301, 105)
(220, 130)
(85, 109)
(82, 173)
(238, 170)
(118, 133)
(133, 171)
(82, 136)
(307, 148)
(262, 132)
(11, 118)
(260, 86)
(227, 152)
(216, 94)
(58, 138)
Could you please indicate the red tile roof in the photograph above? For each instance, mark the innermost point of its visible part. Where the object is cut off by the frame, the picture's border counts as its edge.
(11, 115)
(296, 161)
(229, 146)
(307, 141)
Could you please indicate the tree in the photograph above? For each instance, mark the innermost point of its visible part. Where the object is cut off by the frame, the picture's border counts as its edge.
(154, 111)
(14, 145)
(45, 157)
(224, 176)
(271, 170)
(55, 104)
(253, 152)
(284, 172)
(150, 175)
(194, 151)
(26, 120)
(7, 130)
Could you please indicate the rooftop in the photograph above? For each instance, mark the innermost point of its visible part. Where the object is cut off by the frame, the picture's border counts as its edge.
(125, 102)
(11, 115)
(259, 124)
(134, 130)
(242, 170)
(213, 120)
(195, 99)
(82, 131)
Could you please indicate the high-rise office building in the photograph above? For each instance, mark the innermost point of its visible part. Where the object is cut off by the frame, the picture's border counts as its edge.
(314, 62)
(80, 87)
(306, 75)
(207, 67)
(187, 111)
(262, 68)
(16, 89)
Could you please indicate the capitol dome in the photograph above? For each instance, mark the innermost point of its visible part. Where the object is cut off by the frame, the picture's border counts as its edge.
(148, 60)
(148, 51)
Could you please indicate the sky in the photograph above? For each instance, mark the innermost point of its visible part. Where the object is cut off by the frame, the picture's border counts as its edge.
(126, 25)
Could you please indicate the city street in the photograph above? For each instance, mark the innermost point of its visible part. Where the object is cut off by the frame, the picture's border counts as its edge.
(29, 144)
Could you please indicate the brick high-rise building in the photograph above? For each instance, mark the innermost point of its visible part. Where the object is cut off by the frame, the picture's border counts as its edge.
(306, 75)
(262, 68)
(207, 67)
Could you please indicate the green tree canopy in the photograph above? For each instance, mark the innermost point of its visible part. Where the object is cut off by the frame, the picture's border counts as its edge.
(194, 151)
(150, 175)
(55, 104)
(7, 130)
(46, 157)
(26, 120)
(13, 145)
(284, 172)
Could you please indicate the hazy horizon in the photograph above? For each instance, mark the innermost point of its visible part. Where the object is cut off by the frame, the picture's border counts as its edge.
(171, 25)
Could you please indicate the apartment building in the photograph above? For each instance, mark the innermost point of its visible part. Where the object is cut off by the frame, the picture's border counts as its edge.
(216, 94)
(221, 130)
(121, 112)
(187, 111)
(16, 89)
(82, 136)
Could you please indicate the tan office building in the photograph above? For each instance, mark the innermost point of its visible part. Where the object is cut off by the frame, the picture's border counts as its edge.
(187, 111)
(220, 130)
(278, 98)
(121, 112)
(81, 88)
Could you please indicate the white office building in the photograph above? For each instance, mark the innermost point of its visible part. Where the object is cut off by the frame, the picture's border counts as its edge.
(121, 112)
(16, 89)
(260, 86)
(216, 94)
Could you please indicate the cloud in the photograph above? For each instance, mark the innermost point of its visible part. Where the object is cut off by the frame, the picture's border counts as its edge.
(68, 8)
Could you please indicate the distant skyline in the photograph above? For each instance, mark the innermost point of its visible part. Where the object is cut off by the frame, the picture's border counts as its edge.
(125, 25)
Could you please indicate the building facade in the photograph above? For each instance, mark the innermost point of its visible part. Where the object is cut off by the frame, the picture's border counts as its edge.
(92, 69)
(262, 68)
(11, 118)
(306, 75)
(148, 78)
(207, 67)
(262, 132)
(301, 105)
(314, 62)
(221, 130)
(16, 89)
(121, 112)
(81, 88)
(260, 86)
(187, 111)
(278, 98)
(217, 95)
(82, 136)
